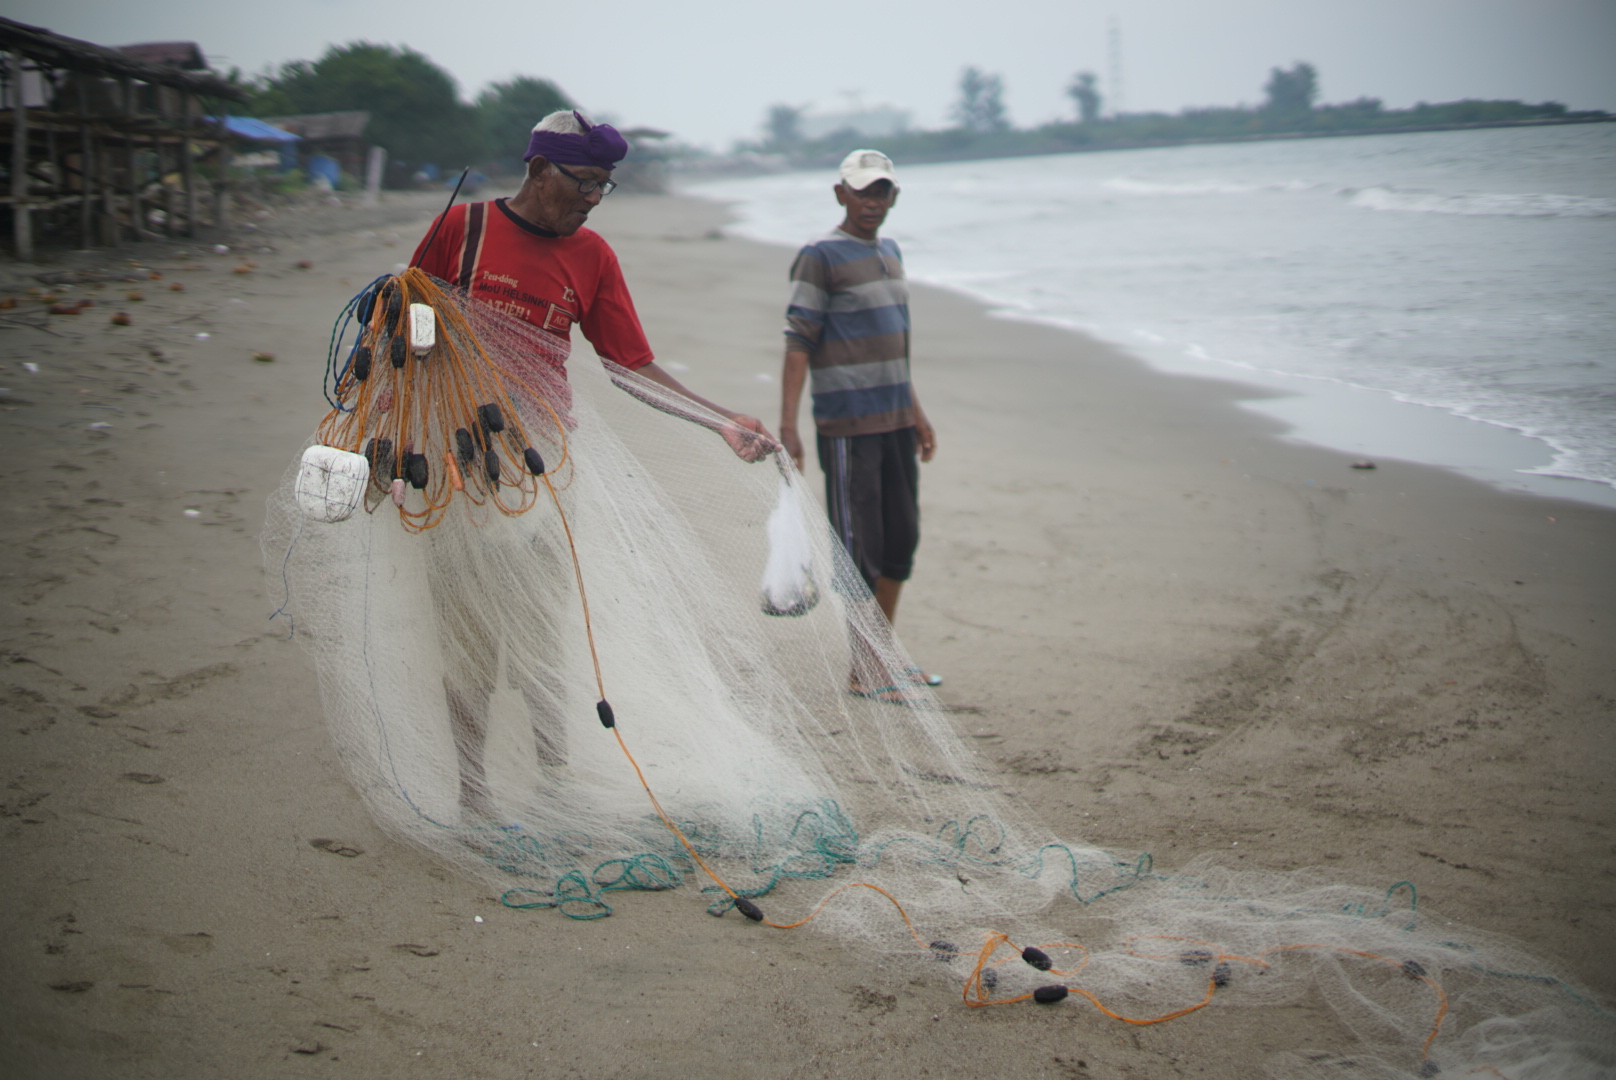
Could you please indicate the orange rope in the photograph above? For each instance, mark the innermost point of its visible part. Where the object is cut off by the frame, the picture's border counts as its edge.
(980, 997)
(429, 398)
(1441, 995)
(656, 804)
(474, 378)
(976, 996)
(994, 941)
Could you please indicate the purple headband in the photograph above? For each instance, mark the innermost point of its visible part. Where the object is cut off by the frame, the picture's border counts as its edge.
(600, 146)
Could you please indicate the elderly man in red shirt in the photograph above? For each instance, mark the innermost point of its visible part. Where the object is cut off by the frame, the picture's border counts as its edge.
(531, 257)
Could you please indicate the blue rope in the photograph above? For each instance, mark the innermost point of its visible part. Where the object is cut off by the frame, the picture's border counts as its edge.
(286, 585)
(333, 375)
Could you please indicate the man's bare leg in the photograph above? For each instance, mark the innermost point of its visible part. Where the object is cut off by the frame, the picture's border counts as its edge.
(887, 591)
(549, 731)
(468, 720)
(886, 597)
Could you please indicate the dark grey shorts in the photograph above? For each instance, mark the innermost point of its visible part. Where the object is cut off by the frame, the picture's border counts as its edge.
(872, 494)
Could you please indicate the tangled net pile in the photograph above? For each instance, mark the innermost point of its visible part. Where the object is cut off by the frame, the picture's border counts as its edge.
(534, 549)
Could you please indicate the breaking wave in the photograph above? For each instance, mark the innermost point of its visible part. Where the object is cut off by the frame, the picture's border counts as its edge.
(1485, 204)
(1133, 186)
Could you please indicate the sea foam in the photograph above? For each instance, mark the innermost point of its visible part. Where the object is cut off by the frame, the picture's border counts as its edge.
(1469, 271)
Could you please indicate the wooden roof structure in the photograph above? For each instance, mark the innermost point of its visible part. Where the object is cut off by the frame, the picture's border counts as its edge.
(186, 55)
(70, 54)
(331, 125)
(106, 142)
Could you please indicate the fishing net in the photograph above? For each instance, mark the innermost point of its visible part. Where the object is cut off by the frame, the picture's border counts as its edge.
(571, 643)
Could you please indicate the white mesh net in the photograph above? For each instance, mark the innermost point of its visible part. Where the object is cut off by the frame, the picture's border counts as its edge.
(458, 669)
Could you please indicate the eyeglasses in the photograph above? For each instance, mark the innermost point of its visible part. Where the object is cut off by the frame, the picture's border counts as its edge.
(585, 187)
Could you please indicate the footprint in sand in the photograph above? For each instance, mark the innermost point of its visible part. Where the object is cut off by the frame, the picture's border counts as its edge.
(417, 950)
(190, 944)
(76, 987)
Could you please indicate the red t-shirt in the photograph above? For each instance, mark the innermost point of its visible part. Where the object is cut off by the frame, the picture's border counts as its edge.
(550, 281)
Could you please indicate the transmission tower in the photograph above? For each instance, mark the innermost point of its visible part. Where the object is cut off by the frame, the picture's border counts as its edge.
(1114, 33)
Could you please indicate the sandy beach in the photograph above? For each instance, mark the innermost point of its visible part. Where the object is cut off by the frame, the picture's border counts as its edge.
(1170, 630)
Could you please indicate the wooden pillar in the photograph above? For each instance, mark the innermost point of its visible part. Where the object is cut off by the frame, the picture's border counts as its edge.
(104, 183)
(87, 168)
(107, 213)
(22, 224)
(131, 152)
(187, 169)
(131, 110)
(109, 197)
(160, 150)
(56, 161)
(375, 166)
(171, 201)
(137, 206)
(221, 207)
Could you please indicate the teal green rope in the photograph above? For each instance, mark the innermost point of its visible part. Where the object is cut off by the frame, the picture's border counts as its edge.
(649, 872)
(1130, 874)
(826, 841)
(572, 889)
(1359, 911)
(1547, 980)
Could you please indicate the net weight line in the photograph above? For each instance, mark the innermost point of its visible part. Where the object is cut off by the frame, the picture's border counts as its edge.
(422, 404)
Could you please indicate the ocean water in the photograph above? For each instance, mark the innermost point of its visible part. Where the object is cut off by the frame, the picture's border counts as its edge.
(1443, 297)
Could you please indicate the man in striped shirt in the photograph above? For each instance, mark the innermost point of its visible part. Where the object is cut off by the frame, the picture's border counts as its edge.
(847, 326)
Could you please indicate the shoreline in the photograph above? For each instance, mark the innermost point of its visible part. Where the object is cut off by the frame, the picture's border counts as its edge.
(1322, 410)
(1278, 136)
(1164, 626)
(1423, 534)
(1370, 422)
(1427, 528)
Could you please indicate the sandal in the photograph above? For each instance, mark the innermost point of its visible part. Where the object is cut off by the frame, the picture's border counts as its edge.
(920, 677)
(891, 695)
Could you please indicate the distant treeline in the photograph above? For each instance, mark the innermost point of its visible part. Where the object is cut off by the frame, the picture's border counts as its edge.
(415, 109)
(417, 115)
(982, 130)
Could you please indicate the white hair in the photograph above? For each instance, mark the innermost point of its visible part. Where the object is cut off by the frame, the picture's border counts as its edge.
(562, 122)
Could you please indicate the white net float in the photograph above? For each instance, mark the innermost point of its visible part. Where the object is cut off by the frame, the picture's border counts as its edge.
(423, 328)
(330, 483)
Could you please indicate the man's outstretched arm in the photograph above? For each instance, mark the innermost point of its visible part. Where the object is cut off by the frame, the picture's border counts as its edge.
(746, 435)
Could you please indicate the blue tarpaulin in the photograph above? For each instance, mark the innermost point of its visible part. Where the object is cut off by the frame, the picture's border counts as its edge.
(327, 167)
(250, 128)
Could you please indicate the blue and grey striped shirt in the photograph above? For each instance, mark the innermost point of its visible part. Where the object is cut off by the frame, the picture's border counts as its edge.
(849, 312)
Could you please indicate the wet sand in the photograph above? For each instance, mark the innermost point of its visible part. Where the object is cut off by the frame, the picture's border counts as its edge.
(1170, 629)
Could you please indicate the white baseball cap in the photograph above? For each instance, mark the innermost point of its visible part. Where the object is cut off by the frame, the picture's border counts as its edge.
(862, 168)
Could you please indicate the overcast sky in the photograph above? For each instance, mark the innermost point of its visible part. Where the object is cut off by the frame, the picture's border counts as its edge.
(707, 71)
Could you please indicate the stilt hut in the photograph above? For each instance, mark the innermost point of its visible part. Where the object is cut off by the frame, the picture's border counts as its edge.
(99, 145)
(336, 135)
